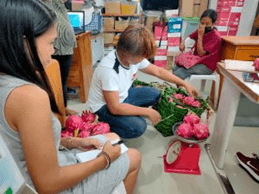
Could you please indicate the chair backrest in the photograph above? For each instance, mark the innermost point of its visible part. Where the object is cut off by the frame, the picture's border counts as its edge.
(11, 179)
(53, 73)
(189, 43)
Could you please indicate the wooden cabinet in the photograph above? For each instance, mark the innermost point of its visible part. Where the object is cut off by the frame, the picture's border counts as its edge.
(244, 48)
(80, 74)
(240, 48)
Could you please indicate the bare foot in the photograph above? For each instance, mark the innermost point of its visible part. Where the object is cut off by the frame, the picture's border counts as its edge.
(70, 112)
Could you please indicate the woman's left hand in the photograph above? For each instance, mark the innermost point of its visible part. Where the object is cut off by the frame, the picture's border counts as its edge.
(191, 90)
(85, 144)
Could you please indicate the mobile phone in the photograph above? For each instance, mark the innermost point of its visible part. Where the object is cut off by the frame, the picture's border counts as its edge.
(250, 77)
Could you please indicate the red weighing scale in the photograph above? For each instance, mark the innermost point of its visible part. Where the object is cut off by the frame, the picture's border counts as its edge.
(183, 155)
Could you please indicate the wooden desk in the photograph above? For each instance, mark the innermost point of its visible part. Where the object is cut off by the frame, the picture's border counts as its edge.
(244, 48)
(232, 88)
(80, 74)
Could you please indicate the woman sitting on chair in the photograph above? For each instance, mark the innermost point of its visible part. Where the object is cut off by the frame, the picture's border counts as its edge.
(207, 46)
(27, 123)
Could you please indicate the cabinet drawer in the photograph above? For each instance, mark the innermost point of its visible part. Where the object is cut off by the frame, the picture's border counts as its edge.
(247, 55)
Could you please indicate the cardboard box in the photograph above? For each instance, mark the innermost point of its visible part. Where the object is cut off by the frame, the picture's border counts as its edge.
(128, 7)
(232, 30)
(162, 43)
(174, 39)
(233, 23)
(160, 31)
(223, 16)
(174, 25)
(235, 17)
(240, 3)
(108, 38)
(108, 23)
(77, 5)
(161, 51)
(160, 61)
(223, 30)
(196, 2)
(222, 23)
(172, 13)
(196, 10)
(121, 24)
(186, 8)
(203, 6)
(112, 7)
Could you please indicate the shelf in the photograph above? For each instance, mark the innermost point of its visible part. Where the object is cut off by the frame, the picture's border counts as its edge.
(120, 15)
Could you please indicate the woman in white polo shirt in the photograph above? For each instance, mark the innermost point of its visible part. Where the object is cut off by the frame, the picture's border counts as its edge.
(112, 96)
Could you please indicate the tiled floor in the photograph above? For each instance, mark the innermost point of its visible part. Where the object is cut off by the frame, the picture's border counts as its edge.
(153, 180)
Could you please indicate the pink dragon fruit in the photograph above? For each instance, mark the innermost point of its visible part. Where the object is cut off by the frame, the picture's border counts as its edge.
(171, 99)
(100, 128)
(88, 127)
(88, 117)
(201, 131)
(73, 123)
(66, 133)
(188, 100)
(85, 133)
(185, 130)
(196, 104)
(178, 96)
(191, 119)
(256, 64)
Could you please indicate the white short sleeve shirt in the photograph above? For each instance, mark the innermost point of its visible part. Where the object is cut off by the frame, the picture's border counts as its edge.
(110, 75)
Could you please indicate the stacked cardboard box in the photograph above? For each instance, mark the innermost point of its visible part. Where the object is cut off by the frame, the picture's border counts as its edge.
(192, 8)
(174, 33)
(160, 33)
(229, 14)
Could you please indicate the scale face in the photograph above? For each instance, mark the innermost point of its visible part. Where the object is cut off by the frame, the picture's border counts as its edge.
(173, 151)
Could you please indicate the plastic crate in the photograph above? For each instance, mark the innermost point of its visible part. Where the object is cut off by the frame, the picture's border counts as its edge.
(96, 24)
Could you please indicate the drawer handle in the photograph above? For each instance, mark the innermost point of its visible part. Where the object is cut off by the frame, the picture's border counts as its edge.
(254, 56)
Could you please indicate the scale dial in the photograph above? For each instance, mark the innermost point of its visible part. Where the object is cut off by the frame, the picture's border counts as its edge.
(173, 151)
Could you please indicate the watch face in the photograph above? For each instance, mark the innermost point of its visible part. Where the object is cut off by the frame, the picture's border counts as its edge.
(173, 152)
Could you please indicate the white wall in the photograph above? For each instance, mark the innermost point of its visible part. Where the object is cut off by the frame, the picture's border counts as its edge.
(247, 17)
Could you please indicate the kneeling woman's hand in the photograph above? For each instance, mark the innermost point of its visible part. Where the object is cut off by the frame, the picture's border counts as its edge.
(191, 90)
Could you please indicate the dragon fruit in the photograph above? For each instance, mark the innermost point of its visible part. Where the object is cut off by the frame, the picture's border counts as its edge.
(85, 133)
(88, 117)
(66, 133)
(191, 119)
(201, 131)
(88, 127)
(73, 123)
(171, 99)
(185, 130)
(196, 104)
(189, 100)
(256, 64)
(100, 128)
(178, 96)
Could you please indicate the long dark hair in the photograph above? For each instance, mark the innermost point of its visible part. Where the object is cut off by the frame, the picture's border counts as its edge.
(212, 14)
(21, 22)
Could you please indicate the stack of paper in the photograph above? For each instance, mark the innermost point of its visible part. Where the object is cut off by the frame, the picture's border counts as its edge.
(92, 154)
(237, 65)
